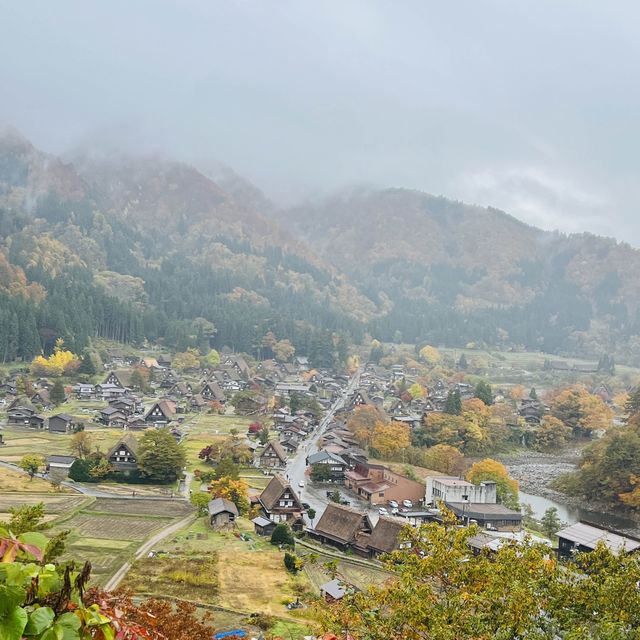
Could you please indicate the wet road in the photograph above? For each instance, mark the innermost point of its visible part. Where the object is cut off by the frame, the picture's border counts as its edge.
(316, 496)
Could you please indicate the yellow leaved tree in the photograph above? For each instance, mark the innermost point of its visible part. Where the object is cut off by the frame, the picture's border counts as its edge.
(430, 355)
(390, 438)
(489, 469)
(60, 362)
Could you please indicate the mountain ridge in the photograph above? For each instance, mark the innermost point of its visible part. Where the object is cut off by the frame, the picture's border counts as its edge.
(391, 262)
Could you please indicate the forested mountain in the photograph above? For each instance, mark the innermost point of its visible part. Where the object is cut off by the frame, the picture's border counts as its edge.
(146, 247)
(134, 248)
(454, 273)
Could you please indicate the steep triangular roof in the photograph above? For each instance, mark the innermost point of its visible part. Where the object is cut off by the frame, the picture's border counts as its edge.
(274, 490)
(277, 447)
(128, 441)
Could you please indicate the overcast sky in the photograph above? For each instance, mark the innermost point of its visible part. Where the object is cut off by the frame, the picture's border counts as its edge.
(530, 106)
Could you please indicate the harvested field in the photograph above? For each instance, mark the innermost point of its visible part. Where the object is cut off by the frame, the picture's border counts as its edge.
(256, 581)
(11, 481)
(101, 543)
(116, 527)
(103, 564)
(142, 490)
(190, 577)
(53, 504)
(35, 441)
(134, 506)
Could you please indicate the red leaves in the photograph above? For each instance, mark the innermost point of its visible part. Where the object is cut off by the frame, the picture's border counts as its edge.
(10, 547)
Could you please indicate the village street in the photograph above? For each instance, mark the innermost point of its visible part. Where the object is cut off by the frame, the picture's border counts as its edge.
(314, 496)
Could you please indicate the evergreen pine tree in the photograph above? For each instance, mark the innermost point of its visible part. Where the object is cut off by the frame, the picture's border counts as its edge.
(57, 394)
(453, 404)
(87, 366)
(462, 363)
(483, 392)
(632, 405)
(532, 394)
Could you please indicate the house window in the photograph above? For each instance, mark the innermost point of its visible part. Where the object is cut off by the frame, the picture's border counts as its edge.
(381, 495)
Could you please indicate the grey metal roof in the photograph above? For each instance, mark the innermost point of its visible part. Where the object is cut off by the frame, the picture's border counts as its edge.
(314, 458)
(64, 460)
(484, 511)
(588, 536)
(262, 522)
(335, 589)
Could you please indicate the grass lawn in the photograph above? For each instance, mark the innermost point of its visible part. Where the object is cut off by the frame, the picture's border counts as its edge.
(205, 429)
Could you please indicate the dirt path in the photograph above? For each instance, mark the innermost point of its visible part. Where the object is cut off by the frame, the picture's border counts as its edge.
(142, 551)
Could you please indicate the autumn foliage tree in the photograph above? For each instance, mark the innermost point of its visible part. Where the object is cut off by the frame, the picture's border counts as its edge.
(430, 355)
(362, 423)
(551, 435)
(234, 490)
(445, 459)
(580, 410)
(439, 590)
(609, 468)
(60, 363)
(189, 359)
(283, 350)
(389, 438)
(492, 470)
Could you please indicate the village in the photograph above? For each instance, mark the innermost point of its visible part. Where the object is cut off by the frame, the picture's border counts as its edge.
(286, 429)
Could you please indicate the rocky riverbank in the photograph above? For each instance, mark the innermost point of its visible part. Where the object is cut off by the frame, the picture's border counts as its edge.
(535, 471)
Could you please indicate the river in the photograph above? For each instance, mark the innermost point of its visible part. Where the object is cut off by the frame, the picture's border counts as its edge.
(570, 513)
(535, 473)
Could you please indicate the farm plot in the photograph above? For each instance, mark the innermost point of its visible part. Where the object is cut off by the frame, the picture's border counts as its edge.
(20, 441)
(359, 575)
(257, 581)
(53, 504)
(131, 506)
(114, 527)
(189, 577)
(12, 481)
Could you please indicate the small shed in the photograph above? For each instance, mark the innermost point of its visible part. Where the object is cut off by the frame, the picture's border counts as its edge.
(61, 423)
(263, 526)
(333, 590)
(59, 466)
(222, 513)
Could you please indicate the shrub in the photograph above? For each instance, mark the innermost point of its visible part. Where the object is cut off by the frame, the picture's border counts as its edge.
(282, 534)
(292, 562)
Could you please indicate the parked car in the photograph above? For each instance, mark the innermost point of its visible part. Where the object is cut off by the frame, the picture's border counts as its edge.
(407, 504)
(394, 511)
(301, 483)
(393, 504)
(383, 511)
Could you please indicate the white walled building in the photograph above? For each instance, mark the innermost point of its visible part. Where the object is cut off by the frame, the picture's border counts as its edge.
(453, 489)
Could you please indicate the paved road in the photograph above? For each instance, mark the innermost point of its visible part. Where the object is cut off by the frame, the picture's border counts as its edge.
(314, 496)
(143, 551)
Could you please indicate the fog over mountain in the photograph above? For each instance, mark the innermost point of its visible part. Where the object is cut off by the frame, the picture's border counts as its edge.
(529, 107)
